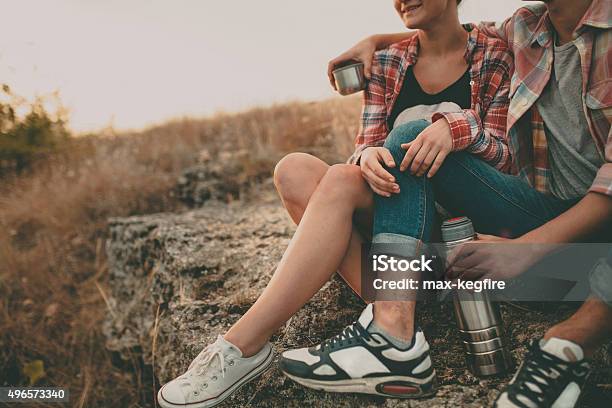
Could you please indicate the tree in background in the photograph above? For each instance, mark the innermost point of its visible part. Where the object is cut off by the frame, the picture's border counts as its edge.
(26, 137)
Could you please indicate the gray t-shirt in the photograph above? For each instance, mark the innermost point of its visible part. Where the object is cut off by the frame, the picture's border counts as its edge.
(572, 154)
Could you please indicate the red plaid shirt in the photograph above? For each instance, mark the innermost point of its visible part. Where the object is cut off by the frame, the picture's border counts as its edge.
(529, 33)
(480, 130)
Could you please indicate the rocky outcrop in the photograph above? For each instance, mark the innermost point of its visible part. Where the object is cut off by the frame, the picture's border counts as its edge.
(179, 280)
(207, 265)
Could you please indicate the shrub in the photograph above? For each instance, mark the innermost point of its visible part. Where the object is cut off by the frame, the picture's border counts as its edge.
(24, 138)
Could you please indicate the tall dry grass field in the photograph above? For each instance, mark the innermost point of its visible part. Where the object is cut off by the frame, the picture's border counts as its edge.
(53, 229)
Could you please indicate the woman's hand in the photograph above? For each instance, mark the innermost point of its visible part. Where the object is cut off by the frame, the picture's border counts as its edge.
(429, 149)
(379, 179)
(363, 51)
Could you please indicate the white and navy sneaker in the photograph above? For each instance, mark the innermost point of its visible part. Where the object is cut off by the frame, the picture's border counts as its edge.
(215, 374)
(551, 376)
(362, 362)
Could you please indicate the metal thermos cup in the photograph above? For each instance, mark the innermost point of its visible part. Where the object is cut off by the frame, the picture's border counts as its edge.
(350, 78)
(479, 320)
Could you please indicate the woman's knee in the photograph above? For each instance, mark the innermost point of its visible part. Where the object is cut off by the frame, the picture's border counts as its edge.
(295, 172)
(293, 169)
(342, 180)
(286, 170)
(402, 134)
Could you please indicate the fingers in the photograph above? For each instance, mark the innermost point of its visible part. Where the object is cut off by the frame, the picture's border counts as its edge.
(469, 266)
(429, 159)
(471, 261)
(437, 163)
(451, 256)
(457, 253)
(331, 65)
(378, 185)
(378, 191)
(380, 172)
(419, 159)
(375, 174)
(412, 150)
(387, 157)
(418, 154)
(363, 51)
(367, 66)
(474, 273)
(381, 181)
(382, 155)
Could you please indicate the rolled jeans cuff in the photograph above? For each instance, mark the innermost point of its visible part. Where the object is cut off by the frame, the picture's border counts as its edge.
(400, 245)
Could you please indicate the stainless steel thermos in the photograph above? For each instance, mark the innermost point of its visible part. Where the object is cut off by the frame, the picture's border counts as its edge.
(479, 320)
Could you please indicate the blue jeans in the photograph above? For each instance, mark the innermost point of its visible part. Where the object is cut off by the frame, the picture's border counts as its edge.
(497, 203)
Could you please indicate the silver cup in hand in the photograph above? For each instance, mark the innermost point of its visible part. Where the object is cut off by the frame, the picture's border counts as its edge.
(350, 78)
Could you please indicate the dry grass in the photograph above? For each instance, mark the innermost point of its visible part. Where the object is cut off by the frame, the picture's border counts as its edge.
(53, 230)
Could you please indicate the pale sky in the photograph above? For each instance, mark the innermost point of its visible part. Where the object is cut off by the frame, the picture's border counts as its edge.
(133, 63)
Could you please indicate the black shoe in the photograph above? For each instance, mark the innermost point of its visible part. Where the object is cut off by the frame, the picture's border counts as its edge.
(362, 362)
(552, 375)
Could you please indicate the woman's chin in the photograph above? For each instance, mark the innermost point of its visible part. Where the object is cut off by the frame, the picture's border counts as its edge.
(414, 26)
(412, 23)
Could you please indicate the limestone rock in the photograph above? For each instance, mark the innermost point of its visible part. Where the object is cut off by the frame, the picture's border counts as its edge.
(179, 280)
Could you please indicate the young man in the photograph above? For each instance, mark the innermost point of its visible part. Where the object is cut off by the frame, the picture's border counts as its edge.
(561, 144)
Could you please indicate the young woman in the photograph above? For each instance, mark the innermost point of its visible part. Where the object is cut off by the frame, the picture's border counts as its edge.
(449, 75)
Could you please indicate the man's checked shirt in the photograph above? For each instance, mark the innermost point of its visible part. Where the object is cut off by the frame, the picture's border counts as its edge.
(529, 34)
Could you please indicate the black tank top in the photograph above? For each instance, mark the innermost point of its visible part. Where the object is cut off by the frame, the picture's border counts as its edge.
(412, 94)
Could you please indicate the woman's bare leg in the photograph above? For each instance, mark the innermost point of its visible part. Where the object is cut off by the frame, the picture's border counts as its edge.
(296, 177)
(313, 255)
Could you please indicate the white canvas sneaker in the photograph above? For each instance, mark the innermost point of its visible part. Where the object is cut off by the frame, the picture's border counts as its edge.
(215, 374)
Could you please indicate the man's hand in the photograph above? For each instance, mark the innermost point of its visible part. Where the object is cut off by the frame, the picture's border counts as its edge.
(491, 257)
(363, 51)
(379, 179)
(429, 149)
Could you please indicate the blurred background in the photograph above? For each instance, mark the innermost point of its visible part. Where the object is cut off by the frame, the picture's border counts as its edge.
(133, 63)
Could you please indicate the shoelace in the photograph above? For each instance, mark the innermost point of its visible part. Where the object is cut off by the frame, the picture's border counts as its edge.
(544, 372)
(344, 337)
(206, 357)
